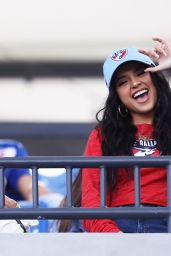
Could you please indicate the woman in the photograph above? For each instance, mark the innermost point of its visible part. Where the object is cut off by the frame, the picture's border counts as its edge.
(136, 121)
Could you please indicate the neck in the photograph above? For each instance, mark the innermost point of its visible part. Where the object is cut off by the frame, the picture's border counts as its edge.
(142, 119)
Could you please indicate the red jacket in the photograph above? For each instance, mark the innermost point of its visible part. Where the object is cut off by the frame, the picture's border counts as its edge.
(153, 180)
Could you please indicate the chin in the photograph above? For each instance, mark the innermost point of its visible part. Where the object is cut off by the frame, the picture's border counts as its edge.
(146, 108)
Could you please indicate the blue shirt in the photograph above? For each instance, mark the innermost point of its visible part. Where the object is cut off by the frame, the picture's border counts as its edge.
(12, 148)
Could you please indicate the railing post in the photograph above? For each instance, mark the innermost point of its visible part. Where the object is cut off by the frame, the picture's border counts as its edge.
(35, 190)
(169, 196)
(137, 185)
(2, 198)
(69, 186)
(102, 186)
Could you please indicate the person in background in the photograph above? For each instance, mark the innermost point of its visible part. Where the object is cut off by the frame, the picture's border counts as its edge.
(18, 182)
(15, 225)
(136, 120)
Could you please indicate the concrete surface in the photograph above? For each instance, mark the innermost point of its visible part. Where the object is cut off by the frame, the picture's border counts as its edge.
(85, 244)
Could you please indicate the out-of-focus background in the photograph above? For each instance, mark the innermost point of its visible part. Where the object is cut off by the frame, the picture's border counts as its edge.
(51, 55)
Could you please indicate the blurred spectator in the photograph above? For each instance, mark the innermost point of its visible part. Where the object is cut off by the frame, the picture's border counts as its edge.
(18, 182)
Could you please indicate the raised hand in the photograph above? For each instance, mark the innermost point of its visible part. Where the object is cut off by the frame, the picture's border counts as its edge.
(161, 53)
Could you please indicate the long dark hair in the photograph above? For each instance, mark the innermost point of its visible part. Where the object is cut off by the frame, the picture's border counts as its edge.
(64, 224)
(118, 133)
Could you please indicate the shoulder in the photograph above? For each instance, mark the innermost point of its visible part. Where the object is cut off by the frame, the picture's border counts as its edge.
(12, 148)
(95, 135)
(94, 143)
(10, 143)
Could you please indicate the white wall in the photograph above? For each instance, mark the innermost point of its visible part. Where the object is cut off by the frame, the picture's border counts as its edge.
(64, 29)
(51, 100)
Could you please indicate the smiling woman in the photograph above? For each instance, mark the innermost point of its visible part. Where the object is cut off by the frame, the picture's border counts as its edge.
(135, 121)
(136, 91)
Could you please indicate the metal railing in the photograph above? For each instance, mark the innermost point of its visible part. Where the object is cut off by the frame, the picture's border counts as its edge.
(71, 212)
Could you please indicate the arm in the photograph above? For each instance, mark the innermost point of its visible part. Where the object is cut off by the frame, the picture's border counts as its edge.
(90, 189)
(161, 54)
(25, 187)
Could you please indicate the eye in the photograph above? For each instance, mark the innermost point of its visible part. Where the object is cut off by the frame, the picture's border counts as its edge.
(122, 82)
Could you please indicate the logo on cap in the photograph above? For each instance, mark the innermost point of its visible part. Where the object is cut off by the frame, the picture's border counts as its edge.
(119, 55)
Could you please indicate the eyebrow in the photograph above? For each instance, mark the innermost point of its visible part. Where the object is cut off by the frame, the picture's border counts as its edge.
(139, 68)
(135, 70)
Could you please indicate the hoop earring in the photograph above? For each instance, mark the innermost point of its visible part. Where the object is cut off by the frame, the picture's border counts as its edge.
(123, 114)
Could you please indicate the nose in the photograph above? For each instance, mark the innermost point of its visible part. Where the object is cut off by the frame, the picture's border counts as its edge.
(135, 83)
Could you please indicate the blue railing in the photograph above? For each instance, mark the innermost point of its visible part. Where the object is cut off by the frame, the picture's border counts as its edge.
(71, 212)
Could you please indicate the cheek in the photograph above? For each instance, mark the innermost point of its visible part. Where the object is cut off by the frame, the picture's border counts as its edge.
(122, 93)
(155, 94)
(152, 88)
(147, 80)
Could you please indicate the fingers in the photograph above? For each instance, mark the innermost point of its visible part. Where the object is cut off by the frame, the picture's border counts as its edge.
(155, 53)
(163, 44)
(160, 51)
(10, 203)
(160, 40)
(153, 69)
(152, 53)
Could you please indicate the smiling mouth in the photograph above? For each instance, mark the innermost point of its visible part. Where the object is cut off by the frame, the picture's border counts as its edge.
(142, 94)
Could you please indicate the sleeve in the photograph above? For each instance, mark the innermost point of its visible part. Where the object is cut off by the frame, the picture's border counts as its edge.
(91, 188)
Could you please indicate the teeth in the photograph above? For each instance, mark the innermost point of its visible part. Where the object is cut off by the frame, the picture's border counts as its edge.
(139, 93)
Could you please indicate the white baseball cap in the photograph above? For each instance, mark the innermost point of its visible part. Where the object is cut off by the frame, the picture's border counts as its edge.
(121, 56)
